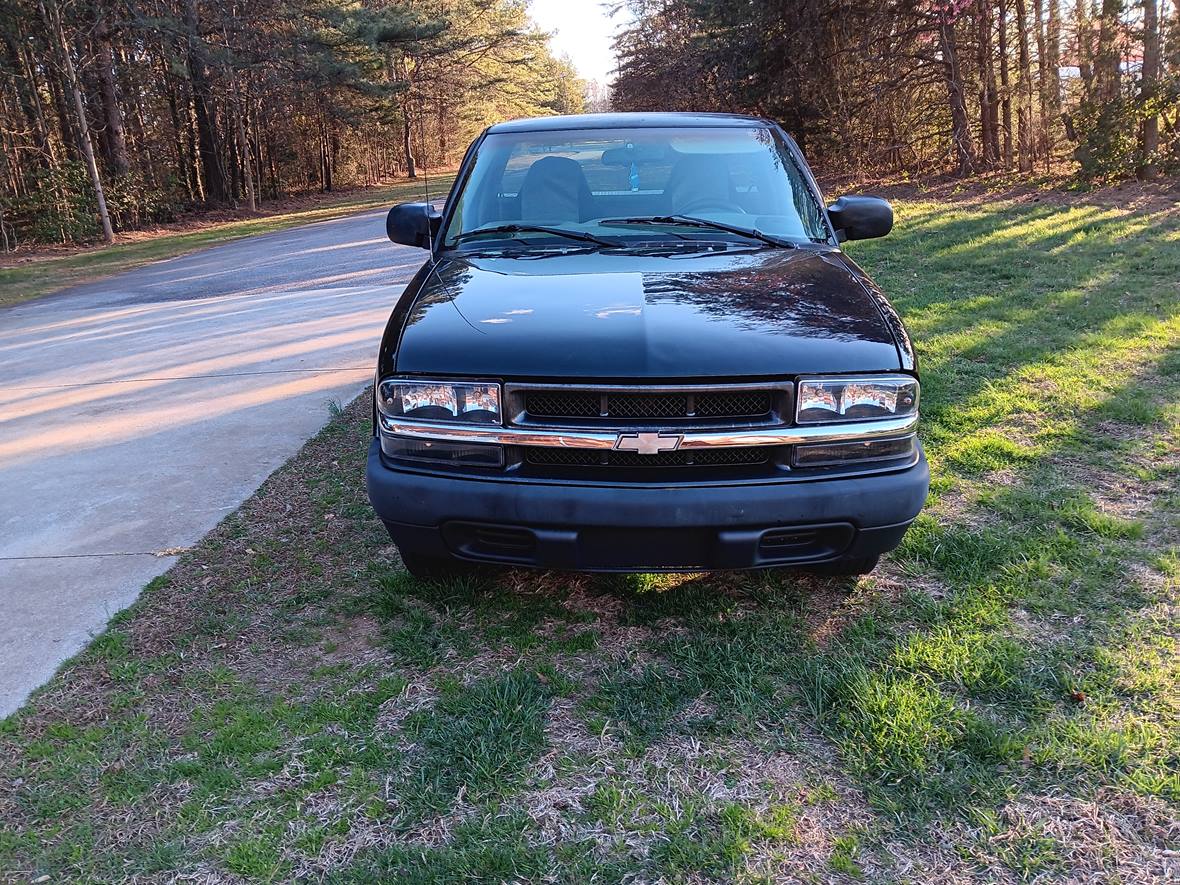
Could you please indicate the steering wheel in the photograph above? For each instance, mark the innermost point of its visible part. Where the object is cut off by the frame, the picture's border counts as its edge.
(710, 203)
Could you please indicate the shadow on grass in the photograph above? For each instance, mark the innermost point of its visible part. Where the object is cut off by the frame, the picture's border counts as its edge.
(955, 702)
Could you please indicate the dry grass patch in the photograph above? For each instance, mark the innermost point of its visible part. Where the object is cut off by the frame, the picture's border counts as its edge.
(1114, 837)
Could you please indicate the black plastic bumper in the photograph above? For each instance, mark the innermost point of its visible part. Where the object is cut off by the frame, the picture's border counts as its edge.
(640, 528)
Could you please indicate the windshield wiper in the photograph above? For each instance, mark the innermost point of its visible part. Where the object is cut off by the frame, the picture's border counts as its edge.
(693, 221)
(536, 229)
(529, 254)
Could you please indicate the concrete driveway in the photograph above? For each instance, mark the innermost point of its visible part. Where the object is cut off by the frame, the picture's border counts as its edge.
(138, 411)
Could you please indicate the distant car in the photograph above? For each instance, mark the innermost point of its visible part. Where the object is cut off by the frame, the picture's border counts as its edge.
(637, 346)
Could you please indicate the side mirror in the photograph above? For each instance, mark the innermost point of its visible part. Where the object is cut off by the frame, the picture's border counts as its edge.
(413, 224)
(861, 218)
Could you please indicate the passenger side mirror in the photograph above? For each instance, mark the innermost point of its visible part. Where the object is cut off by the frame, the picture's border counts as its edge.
(413, 224)
(861, 218)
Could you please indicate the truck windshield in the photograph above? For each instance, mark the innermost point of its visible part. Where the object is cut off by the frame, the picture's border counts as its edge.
(633, 185)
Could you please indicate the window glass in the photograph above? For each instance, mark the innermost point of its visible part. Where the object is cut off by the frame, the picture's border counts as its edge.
(587, 180)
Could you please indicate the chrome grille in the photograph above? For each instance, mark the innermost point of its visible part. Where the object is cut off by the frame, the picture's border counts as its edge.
(729, 457)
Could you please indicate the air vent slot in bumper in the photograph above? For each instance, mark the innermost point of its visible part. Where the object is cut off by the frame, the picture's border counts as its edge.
(624, 548)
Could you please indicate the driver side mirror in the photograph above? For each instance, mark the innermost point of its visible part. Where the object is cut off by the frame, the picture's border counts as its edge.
(861, 218)
(413, 224)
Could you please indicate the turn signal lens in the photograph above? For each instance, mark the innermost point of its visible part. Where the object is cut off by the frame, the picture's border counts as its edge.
(828, 454)
(429, 451)
(457, 402)
(822, 400)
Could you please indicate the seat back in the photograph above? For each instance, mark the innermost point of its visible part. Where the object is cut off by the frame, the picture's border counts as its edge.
(554, 190)
(696, 180)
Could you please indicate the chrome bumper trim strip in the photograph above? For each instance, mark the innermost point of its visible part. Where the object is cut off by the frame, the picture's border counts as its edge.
(849, 431)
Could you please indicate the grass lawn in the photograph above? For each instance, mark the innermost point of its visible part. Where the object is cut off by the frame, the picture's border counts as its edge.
(50, 273)
(998, 702)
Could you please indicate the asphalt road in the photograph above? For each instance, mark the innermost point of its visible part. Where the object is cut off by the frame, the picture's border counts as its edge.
(138, 411)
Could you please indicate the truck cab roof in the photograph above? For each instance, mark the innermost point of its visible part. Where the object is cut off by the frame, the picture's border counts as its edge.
(627, 121)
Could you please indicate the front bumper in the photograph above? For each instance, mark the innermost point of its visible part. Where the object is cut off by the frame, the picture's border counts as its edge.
(585, 527)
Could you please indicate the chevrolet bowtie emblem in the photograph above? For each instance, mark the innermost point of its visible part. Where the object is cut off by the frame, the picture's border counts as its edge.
(648, 443)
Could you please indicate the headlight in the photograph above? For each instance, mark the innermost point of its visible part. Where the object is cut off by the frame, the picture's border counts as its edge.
(452, 401)
(822, 400)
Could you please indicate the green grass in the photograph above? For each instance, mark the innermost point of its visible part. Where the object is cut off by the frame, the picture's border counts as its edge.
(287, 703)
(51, 273)
(479, 738)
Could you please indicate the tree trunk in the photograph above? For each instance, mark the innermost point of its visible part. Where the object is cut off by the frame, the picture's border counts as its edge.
(231, 164)
(183, 167)
(1085, 47)
(70, 143)
(1005, 84)
(326, 182)
(1149, 140)
(29, 99)
(1044, 127)
(960, 127)
(408, 150)
(1025, 94)
(54, 28)
(329, 172)
(271, 169)
(333, 147)
(115, 140)
(276, 185)
(215, 186)
(1052, 62)
(142, 145)
(62, 204)
(245, 157)
(195, 168)
(989, 121)
(1106, 60)
(407, 124)
(1173, 32)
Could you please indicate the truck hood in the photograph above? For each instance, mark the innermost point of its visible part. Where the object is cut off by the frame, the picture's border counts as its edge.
(625, 316)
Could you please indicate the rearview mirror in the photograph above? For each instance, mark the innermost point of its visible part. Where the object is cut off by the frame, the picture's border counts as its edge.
(861, 218)
(413, 224)
(633, 153)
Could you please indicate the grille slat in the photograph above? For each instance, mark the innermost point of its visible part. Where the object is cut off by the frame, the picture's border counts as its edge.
(728, 457)
(646, 405)
(560, 404)
(735, 404)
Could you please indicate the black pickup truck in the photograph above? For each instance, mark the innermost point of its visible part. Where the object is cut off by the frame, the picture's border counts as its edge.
(636, 345)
